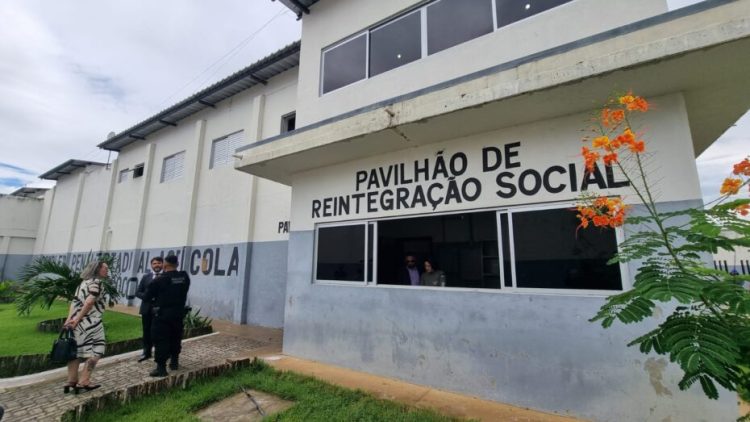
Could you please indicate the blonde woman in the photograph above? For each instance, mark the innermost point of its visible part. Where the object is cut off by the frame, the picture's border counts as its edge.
(85, 319)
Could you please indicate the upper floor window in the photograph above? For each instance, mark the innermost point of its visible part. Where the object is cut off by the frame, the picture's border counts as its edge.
(288, 122)
(138, 171)
(223, 148)
(173, 167)
(345, 63)
(451, 22)
(396, 43)
(429, 29)
(123, 175)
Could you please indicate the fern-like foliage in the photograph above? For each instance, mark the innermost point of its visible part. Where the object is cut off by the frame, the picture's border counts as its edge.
(708, 334)
(45, 280)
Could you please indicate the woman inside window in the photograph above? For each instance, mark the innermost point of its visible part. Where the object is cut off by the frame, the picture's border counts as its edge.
(431, 275)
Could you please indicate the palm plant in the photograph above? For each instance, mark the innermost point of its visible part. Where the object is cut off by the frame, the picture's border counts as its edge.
(45, 280)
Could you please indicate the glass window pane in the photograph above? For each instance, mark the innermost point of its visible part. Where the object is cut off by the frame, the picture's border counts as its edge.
(344, 64)
(550, 253)
(395, 43)
(462, 246)
(509, 11)
(341, 253)
(451, 22)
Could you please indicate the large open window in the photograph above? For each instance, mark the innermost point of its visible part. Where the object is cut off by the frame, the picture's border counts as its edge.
(523, 248)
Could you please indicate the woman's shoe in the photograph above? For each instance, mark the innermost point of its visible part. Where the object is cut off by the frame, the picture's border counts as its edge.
(84, 388)
(68, 386)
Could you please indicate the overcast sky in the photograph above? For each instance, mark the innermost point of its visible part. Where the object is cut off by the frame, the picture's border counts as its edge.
(73, 71)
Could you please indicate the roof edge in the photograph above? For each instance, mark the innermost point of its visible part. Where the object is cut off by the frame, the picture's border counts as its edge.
(246, 72)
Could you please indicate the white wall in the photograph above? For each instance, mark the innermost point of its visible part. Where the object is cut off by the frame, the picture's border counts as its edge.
(543, 144)
(94, 199)
(335, 20)
(19, 222)
(74, 212)
(229, 206)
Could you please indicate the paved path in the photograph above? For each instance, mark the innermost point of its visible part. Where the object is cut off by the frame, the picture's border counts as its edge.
(45, 401)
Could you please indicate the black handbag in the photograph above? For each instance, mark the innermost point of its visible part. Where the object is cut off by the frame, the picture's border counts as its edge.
(65, 348)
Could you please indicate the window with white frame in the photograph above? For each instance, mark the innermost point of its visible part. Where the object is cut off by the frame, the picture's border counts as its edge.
(514, 249)
(123, 175)
(222, 149)
(173, 167)
(426, 30)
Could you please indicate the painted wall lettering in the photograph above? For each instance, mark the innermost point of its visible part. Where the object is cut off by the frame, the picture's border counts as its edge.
(443, 180)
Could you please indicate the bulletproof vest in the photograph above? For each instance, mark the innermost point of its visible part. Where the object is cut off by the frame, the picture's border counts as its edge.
(173, 289)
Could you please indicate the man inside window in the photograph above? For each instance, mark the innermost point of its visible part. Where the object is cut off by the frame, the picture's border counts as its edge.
(410, 273)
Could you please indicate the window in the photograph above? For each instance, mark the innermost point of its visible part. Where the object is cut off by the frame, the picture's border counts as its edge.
(509, 11)
(123, 175)
(549, 253)
(451, 22)
(222, 149)
(138, 171)
(396, 43)
(510, 249)
(428, 29)
(345, 63)
(173, 167)
(341, 253)
(288, 122)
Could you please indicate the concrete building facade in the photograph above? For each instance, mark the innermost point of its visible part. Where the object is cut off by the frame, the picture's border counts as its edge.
(420, 137)
(445, 130)
(173, 190)
(20, 214)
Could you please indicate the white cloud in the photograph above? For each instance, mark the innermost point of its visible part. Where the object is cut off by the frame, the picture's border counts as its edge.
(71, 72)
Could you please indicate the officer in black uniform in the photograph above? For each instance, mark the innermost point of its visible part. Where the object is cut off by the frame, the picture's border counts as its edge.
(169, 294)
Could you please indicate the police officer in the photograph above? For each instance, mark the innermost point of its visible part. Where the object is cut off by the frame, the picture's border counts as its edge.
(146, 310)
(169, 294)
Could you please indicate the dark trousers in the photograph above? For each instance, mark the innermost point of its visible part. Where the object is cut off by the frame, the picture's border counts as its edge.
(148, 343)
(167, 336)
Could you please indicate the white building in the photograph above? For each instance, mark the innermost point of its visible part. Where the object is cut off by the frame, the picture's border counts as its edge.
(452, 129)
(444, 128)
(19, 218)
(173, 190)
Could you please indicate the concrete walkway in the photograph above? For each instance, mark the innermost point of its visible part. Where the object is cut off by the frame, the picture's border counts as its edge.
(39, 397)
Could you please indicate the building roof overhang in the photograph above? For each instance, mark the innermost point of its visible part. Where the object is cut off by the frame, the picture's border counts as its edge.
(29, 192)
(702, 51)
(68, 168)
(257, 73)
(298, 6)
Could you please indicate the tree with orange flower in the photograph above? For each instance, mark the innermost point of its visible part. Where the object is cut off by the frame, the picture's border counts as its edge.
(708, 333)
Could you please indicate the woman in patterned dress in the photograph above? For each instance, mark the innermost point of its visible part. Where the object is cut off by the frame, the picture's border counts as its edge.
(85, 318)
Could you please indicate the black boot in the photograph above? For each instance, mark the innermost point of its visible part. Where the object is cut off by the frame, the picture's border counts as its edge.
(174, 363)
(160, 371)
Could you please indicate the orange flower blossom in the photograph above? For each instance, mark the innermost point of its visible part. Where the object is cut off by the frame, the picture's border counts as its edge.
(730, 186)
(742, 168)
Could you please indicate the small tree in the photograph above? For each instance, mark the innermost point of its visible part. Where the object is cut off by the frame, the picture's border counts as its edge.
(708, 333)
(45, 280)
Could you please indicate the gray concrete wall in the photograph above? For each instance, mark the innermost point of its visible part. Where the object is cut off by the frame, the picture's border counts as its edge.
(267, 284)
(11, 265)
(224, 282)
(535, 350)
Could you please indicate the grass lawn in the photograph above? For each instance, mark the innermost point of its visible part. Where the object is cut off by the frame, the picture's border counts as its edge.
(314, 400)
(19, 336)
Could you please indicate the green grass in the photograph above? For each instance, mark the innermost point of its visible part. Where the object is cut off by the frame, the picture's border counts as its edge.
(19, 336)
(314, 401)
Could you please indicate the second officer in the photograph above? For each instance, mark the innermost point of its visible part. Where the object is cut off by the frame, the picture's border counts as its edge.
(169, 294)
